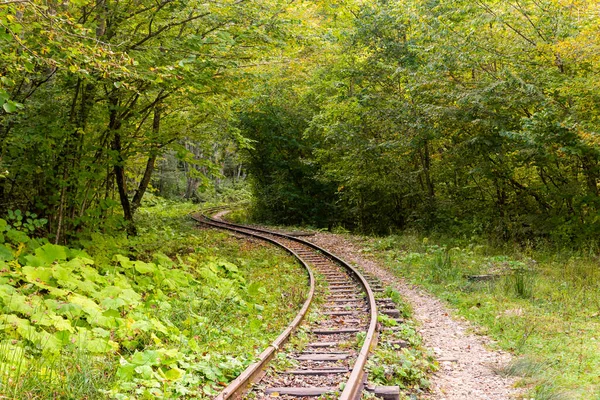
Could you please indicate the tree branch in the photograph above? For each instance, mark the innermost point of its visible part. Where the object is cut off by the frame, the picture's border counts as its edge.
(164, 28)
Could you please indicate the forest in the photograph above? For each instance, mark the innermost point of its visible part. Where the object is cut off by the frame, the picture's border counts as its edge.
(464, 120)
(474, 118)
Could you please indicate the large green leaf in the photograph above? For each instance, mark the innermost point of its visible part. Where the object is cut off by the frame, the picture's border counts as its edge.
(16, 236)
(65, 277)
(10, 106)
(148, 357)
(49, 253)
(38, 274)
(123, 261)
(144, 268)
(174, 374)
(113, 303)
(101, 346)
(87, 305)
(49, 319)
(145, 371)
(6, 254)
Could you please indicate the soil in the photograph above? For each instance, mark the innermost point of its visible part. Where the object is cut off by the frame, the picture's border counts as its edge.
(467, 363)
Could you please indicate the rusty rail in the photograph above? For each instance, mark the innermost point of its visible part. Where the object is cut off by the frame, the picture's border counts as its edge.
(236, 388)
(355, 383)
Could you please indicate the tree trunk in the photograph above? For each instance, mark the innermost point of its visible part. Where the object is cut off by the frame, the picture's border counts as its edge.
(143, 186)
(119, 165)
(119, 169)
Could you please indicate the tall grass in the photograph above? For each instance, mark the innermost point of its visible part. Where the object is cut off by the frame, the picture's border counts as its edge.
(73, 374)
(540, 303)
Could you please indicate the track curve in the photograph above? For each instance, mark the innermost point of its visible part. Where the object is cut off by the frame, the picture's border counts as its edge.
(351, 296)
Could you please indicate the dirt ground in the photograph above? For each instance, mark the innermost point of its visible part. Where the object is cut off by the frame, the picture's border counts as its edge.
(466, 362)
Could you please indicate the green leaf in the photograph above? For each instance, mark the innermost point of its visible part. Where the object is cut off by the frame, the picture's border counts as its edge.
(65, 277)
(145, 371)
(101, 346)
(37, 274)
(255, 288)
(6, 254)
(229, 266)
(87, 305)
(148, 357)
(69, 309)
(144, 268)
(16, 236)
(54, 321)
(126, 371)
(130, 296)
(143, 325)
(49, 253)
(113, 304)
(173, 374)
(9, 106)
(124, 261)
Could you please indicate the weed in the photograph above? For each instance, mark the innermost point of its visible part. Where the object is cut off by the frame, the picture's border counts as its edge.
(402, 306)
(158, 315)
(440, 266)
(522, 366)
(520, 281)
(541, 304)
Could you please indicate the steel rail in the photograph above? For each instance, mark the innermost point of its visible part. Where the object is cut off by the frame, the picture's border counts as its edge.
(236, 388)
(355, 382)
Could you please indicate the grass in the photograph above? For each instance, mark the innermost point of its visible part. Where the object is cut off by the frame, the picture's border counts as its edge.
(393, 365)
(542, 305)
(165, 339)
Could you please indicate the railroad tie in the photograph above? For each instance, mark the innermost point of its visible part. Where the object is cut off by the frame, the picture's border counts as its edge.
(346, 300)
(390, 312)
(320, 371)
(322, 344)
(300, 391)
(339, 313)
(335, 331)
(336, 290)
(385, 392)
(322, 356)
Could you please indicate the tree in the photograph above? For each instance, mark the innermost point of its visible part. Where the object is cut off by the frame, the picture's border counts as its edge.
(111, 83)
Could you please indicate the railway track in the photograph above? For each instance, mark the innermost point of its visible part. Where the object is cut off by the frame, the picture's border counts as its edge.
(333, 363)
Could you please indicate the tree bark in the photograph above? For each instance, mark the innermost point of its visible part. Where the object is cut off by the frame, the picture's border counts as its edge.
(119, 169)
(119, 164)
(143, 186)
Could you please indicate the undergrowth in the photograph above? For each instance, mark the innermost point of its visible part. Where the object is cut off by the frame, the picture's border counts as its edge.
(174, 312)
(400, 359)
(542, 305)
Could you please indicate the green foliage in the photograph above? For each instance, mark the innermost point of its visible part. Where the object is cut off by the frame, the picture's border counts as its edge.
(174, 316)
(95, 98)
(468, 118)
(285, 183)
(391, 364)
(541, 304)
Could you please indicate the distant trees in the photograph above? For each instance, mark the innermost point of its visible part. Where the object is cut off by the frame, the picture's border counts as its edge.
(280, 160)
(465, 116)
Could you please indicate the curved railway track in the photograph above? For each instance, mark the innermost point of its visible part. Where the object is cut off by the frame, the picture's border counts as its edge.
(333, 362)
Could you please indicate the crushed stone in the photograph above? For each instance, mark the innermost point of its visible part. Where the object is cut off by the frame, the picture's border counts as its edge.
(467, 364)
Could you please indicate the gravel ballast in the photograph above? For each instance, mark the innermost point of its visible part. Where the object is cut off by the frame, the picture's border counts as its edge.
(466, 362)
